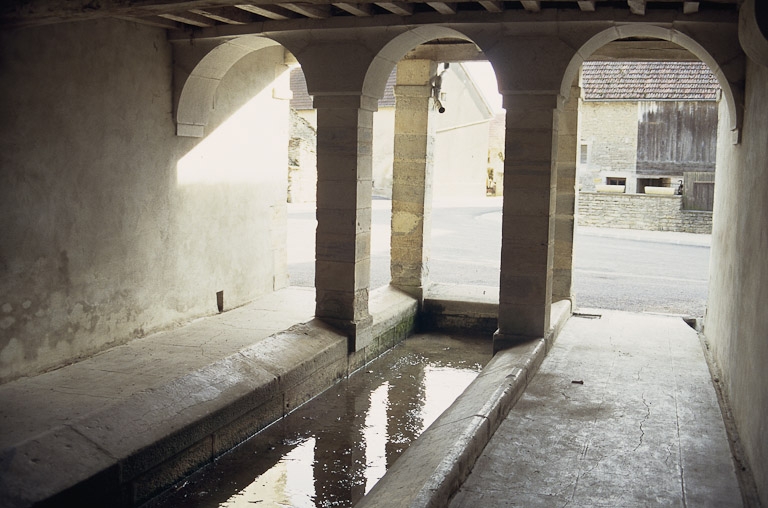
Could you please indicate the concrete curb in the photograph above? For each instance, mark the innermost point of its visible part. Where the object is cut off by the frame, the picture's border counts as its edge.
(433, 468)
(676, 238)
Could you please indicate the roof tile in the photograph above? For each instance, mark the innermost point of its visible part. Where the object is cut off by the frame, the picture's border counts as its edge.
(610, 80)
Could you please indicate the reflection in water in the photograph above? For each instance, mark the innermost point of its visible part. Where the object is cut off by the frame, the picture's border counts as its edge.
(288, 483)
(333, 450)
(375, 435)
(437, 397)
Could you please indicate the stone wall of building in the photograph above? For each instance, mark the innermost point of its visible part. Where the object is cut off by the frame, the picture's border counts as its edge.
(641, 211)
(607, 142)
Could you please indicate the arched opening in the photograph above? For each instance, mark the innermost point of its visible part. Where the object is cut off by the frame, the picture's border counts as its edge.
(468, 181)
(645, 164)
(233, 180)
(731, 94)
(438, 135)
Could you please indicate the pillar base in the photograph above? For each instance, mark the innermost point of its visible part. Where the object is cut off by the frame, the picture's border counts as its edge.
(359, 333)
(502, 341)
(414, 291)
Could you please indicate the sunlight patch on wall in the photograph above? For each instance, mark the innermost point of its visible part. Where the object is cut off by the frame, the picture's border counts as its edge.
(244, 148)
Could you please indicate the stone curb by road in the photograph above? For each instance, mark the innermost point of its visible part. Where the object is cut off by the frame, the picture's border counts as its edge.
(694, 239)
(433, 468)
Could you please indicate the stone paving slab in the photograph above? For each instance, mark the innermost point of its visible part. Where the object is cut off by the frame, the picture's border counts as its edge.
(621, 413)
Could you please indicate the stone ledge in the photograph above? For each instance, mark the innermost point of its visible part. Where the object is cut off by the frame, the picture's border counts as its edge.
(133, 447)
(460, 308)
(433, 468)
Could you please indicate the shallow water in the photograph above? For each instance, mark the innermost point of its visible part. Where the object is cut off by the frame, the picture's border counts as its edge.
(333, 449)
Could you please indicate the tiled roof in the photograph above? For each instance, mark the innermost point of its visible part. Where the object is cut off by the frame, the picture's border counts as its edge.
(648, 81)
(302, 100)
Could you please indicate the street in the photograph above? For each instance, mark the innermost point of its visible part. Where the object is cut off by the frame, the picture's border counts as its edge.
(637, 271)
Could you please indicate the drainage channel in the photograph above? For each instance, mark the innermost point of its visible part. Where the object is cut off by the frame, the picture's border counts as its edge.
(332, 450)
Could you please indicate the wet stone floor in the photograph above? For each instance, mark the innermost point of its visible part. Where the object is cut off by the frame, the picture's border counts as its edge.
(333, 449)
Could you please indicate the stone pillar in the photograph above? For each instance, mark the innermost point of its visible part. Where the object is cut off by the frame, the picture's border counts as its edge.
(527, 235)
(566, 205)
(343, 238)
(412, 176)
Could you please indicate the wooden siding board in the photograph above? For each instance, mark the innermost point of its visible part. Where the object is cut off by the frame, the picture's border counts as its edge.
(676, 137)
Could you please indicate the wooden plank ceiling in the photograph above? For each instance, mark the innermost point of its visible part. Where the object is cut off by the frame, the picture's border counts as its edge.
(192, 14)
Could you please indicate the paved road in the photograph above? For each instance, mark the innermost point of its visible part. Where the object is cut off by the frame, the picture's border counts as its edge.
(641, 273)
(614, 269)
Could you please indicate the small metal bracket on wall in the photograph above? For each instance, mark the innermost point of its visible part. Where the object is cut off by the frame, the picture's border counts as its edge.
(437, 85)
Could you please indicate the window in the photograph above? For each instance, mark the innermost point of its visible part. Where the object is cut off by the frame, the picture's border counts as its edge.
(583, 154)
(642, 183)
(615, 181)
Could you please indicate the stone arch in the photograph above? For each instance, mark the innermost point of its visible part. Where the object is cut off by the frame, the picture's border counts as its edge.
(412, 174)
(753, 30)
(642, 30)
(197, 95)
(385, 60)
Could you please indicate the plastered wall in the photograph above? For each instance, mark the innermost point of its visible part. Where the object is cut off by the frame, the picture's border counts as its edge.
(111, 226)
(736, 324)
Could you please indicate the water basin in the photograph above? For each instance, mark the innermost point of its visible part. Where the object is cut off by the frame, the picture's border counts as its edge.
(333, 449)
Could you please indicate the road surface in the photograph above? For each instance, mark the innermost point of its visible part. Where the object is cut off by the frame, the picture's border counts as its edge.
(634, 271)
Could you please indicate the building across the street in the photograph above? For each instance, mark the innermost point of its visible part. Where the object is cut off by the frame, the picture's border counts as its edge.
(648, 128)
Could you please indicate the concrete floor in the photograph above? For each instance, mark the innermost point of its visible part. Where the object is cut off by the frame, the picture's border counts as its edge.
(644, 428)
(621, 413)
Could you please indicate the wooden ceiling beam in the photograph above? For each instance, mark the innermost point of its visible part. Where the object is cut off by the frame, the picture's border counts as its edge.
(451, 52)
(355, 9)
(531, 5)
(189, 18)
(643, 51)
(492, 5)
(690, 7)
(154, 21)
(37, 12)
(228, 15)
(443, 7)
(637, 7)
(399, 8)
(309, 10)
(266, 11)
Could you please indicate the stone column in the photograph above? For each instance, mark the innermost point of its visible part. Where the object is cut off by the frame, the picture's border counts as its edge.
(527, 235)
(343, 238)
(566, 205)
(412, 175)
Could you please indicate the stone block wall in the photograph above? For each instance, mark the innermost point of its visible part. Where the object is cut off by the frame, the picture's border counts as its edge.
(641, 211)
(608, 131)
